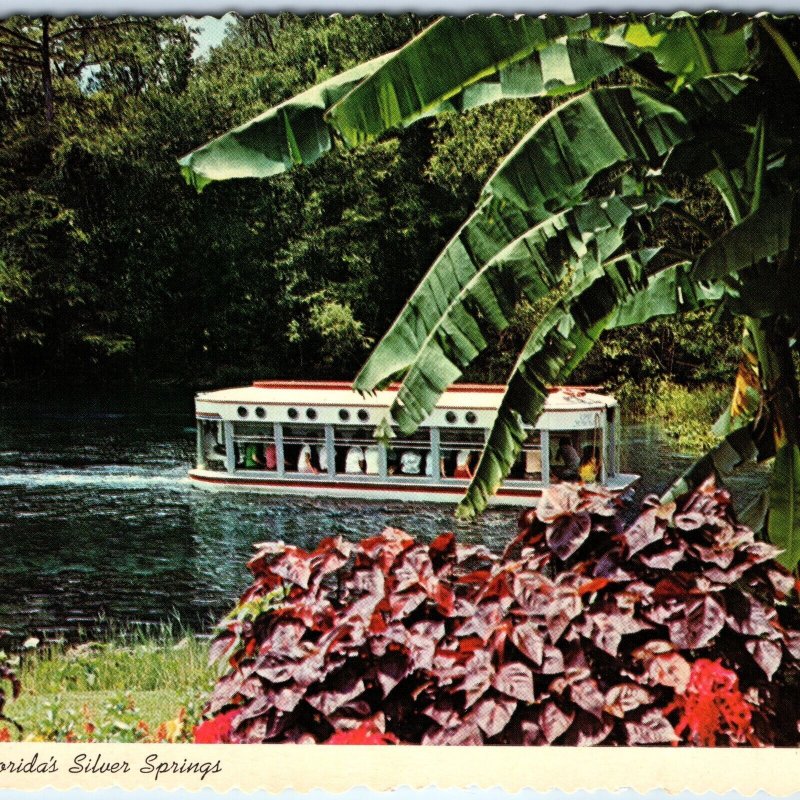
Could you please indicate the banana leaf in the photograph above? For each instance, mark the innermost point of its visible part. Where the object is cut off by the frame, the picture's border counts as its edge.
(529, 268)
(766, 232)
(450, 56)
(557, 345)
(298, 131)
(294, 132)
(598, 130)
(783, 521)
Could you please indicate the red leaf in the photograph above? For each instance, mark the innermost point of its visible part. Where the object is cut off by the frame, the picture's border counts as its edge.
(479, 577)
(553, 661)
(442, 549)
(366, 733)
(669, 669)
(329, 700)
(594, 585)
(515, 680)
(215, 730)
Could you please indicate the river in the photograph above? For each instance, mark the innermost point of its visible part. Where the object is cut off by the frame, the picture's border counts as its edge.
(101, 530)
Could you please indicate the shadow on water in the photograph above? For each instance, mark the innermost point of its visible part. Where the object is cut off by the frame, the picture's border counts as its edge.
(100, 526)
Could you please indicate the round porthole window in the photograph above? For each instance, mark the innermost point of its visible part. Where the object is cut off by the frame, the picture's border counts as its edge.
(241, 411)
(292, 412)
(344, 414)
(311, 413)
(363, 414)
(472, 417)
(260, 412)
(451, 417)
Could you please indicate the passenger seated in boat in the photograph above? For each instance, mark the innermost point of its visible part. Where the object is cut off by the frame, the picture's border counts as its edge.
(270, 457)
(371, 459)
(322, 458)
(463, 468)
(410, 462)
(304, 463)
(253, 455)
(567, 456)
(429, 465)
(354, 461)
(589, 468)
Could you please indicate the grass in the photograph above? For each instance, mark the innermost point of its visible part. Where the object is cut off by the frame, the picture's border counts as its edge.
(119, 690)
(686, 414)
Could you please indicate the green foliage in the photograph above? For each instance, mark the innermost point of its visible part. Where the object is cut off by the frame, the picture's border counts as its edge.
(687, 415)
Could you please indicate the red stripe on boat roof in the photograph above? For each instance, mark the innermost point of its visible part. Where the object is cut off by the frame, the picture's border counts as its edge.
(492, 388)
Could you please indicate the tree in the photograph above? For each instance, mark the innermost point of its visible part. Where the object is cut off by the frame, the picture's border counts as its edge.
(672, 103)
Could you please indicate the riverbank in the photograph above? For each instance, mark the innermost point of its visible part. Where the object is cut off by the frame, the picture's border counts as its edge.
(116, 691)
(685, 414)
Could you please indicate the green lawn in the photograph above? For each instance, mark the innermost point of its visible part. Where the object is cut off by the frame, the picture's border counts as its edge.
(117, 691)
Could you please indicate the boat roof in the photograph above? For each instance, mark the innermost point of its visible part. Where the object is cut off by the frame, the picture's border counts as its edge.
(340, 393)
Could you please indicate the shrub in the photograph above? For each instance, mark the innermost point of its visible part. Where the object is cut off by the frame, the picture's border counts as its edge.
(679, 627)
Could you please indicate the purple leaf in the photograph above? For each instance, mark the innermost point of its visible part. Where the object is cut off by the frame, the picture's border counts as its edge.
(492, 714)
(702, 620)
(515, 680)
(529, 640)
(554, 722)
(654, 728)
(626, 697)
(566, 534)
(646, 529)
(768, 655)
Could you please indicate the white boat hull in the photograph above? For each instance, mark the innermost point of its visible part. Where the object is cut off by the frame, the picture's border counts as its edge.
(405, 489)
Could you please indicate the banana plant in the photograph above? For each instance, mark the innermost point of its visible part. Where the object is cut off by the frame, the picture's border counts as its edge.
(575, 211)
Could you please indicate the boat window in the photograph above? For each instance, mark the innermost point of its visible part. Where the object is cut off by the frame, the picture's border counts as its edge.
(254, 445)
(363, 414)
(528, 466)
(304, 449)
(212, 454)
(576, 455)
(344, 414)
(357, 451)
(460, 450)
(261, 412)
(241, 411)
(409, 455)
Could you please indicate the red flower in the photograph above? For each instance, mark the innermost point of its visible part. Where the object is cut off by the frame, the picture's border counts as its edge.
(215, 730)
(713, 706)
(5, 735)
(366, 733)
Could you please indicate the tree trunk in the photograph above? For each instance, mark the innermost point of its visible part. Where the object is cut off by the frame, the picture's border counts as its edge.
(47, 74)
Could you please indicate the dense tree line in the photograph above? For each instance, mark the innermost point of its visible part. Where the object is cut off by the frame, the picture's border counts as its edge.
(112, 268)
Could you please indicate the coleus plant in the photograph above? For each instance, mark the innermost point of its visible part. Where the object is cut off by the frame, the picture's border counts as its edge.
(679, 627)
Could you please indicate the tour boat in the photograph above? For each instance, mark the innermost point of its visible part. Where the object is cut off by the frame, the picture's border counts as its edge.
(319, 439)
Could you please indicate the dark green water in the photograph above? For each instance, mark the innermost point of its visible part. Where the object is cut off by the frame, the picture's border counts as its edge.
(100, 527)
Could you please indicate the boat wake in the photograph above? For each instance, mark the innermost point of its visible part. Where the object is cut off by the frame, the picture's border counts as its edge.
(106, 477)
